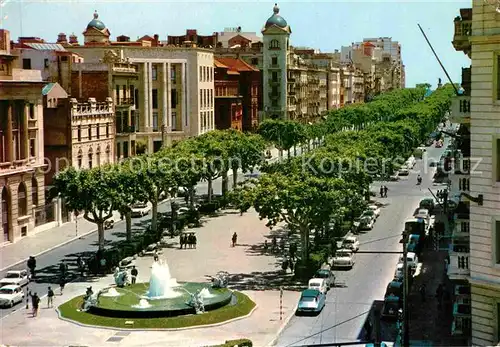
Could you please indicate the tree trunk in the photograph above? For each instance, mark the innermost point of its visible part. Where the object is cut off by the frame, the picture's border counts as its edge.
(209, 190)
(280, 154)
(191, 197)
(289, 154)
(304, 235)
(100, 233)
(294, 150)
(154, 218)
(225, 183)
(235, 177)
(128, 221)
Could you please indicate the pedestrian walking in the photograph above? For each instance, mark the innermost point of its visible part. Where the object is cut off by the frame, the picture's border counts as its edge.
(422, 290)
(35, 302)
(32, 266)
(134, 274)
(195, 240)
(62, 283)
(274, 244)
(284, 265)
(439, 295)
(385, 191)
(50, 297)
(292, 250)
(266, 246)
(182, 240)
(291, 266)
(155, 255)
(103, 264)
(381, 191)
(234, 239)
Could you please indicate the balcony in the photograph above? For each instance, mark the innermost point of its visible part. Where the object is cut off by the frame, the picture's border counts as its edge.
(275, 82)
(461, 230)
(458, 268)
(460, 109)
(291, 80)
(124, 68)
(461, 318)
(125, 102)
(463, 30)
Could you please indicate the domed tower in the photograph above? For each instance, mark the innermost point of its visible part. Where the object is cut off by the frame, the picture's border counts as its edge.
(276, 35)
(96, 32)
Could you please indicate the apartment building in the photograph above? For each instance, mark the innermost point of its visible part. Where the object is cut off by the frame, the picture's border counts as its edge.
(22, 188)
(174, 97)
(476, 34)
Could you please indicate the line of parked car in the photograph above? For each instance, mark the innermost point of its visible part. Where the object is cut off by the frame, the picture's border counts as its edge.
(11, 291)
(416, 229)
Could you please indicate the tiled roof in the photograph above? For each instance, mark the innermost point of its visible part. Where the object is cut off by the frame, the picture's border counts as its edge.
(48, 88)
(46, 46)
(236, 64)
(219, 64)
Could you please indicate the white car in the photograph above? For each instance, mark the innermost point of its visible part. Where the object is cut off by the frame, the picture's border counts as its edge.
(343, 259)
(411, 260)
(16, 277)
(140, 209)
(351, 242)
(411, 162)
(365, 223)
(423, 213)
(318, 284)
(375, 209)
(11, 295)
(404, 170)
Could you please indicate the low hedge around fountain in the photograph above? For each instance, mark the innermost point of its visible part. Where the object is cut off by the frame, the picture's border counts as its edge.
(241, 305)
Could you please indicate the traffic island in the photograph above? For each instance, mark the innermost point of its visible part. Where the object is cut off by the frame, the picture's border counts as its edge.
(240, 306)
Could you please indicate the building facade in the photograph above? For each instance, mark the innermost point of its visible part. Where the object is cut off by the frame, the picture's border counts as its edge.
(174, 98)
(228, 103)
(21, 147)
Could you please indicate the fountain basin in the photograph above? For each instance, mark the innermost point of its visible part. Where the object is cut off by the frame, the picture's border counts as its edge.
(128, 305)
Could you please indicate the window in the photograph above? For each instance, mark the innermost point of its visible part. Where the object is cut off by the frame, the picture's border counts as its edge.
(34, 192)
(254, 61)
(98, 156)
(172, 75)
(498, 77)
(46, 63)
(497, 242)
(22, 200)
(90, 132)
(27, 64)
(132, 94)
(79, 158)
(132, 146)
(275, 76)
(32, 111)
(79, 132)
(211, 97)
(155, 121)
(136, 98)
(274, 61)
(91, 155)
(154, 70)
(201, 97)
(155, 98)
(64, 58)
(118, 150)
(274, 44)
(107, 130)
(201, 73)
(33, 147)
(108, 154)
(173, 98)
(125, 149)
(497, 158)
(174, 120)
(118, 94)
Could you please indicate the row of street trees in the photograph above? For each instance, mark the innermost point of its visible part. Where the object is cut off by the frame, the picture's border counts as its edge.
(322, 189)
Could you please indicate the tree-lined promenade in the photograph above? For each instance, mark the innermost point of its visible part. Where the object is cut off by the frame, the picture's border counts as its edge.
(308, 198)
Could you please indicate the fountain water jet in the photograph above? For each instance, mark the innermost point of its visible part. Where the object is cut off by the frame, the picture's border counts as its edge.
(205, 293)
(143, 303)
(161, 283)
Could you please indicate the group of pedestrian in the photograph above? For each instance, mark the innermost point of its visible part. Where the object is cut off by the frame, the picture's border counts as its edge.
(188, 241)
(383, 191)
(288, 264)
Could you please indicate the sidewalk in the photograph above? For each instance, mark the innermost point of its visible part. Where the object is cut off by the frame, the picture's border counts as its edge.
(36, 244)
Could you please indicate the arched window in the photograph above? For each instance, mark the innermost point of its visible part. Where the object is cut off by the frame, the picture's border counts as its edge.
(79, 158)
(34, 192)
(5, 214)
(91, 155)
(98, 156)
(108, 154)
(22, 201)
(274, 44)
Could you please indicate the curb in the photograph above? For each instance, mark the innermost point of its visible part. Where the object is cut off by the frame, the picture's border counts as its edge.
(159, 329)
(283, 326)
(54, 247)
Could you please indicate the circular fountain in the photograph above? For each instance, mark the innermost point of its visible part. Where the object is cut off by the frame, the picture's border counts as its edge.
(163, 296)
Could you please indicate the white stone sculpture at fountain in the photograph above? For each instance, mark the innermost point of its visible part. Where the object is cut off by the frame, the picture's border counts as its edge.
(205, 293)
(111, 292)
(161, 283)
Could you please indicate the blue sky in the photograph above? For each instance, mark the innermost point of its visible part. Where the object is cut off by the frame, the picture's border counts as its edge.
(326, 25)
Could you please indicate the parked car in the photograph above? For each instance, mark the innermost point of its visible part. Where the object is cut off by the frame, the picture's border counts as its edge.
(369, 213)
(365, 223)
(411, 260)
(399, 275)
(413, 244)
(311, 300)
(327, 275)
(424, 214)
(391, 307)
(16, 277)
(11, 295)
(375, 209)
(351, 242)
(343, 259)
(410, 163)
(140, 209)
(318, 284)
(427, 203)
(404, 170)
(394, 288)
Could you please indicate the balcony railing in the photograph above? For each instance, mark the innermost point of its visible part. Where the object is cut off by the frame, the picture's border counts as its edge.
(125, 101)
(463, 30)
(458, 268)
(460, 109)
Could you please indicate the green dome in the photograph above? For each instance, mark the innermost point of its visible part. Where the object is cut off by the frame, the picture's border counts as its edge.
(276, 19)
(96, 23)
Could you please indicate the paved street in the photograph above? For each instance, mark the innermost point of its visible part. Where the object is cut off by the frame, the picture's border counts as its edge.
(359, 289)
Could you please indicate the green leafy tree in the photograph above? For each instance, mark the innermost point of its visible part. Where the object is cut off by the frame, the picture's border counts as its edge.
(96, 192)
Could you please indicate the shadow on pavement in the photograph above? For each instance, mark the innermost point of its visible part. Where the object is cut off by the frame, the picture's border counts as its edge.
(270, 280)
(388, 328)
